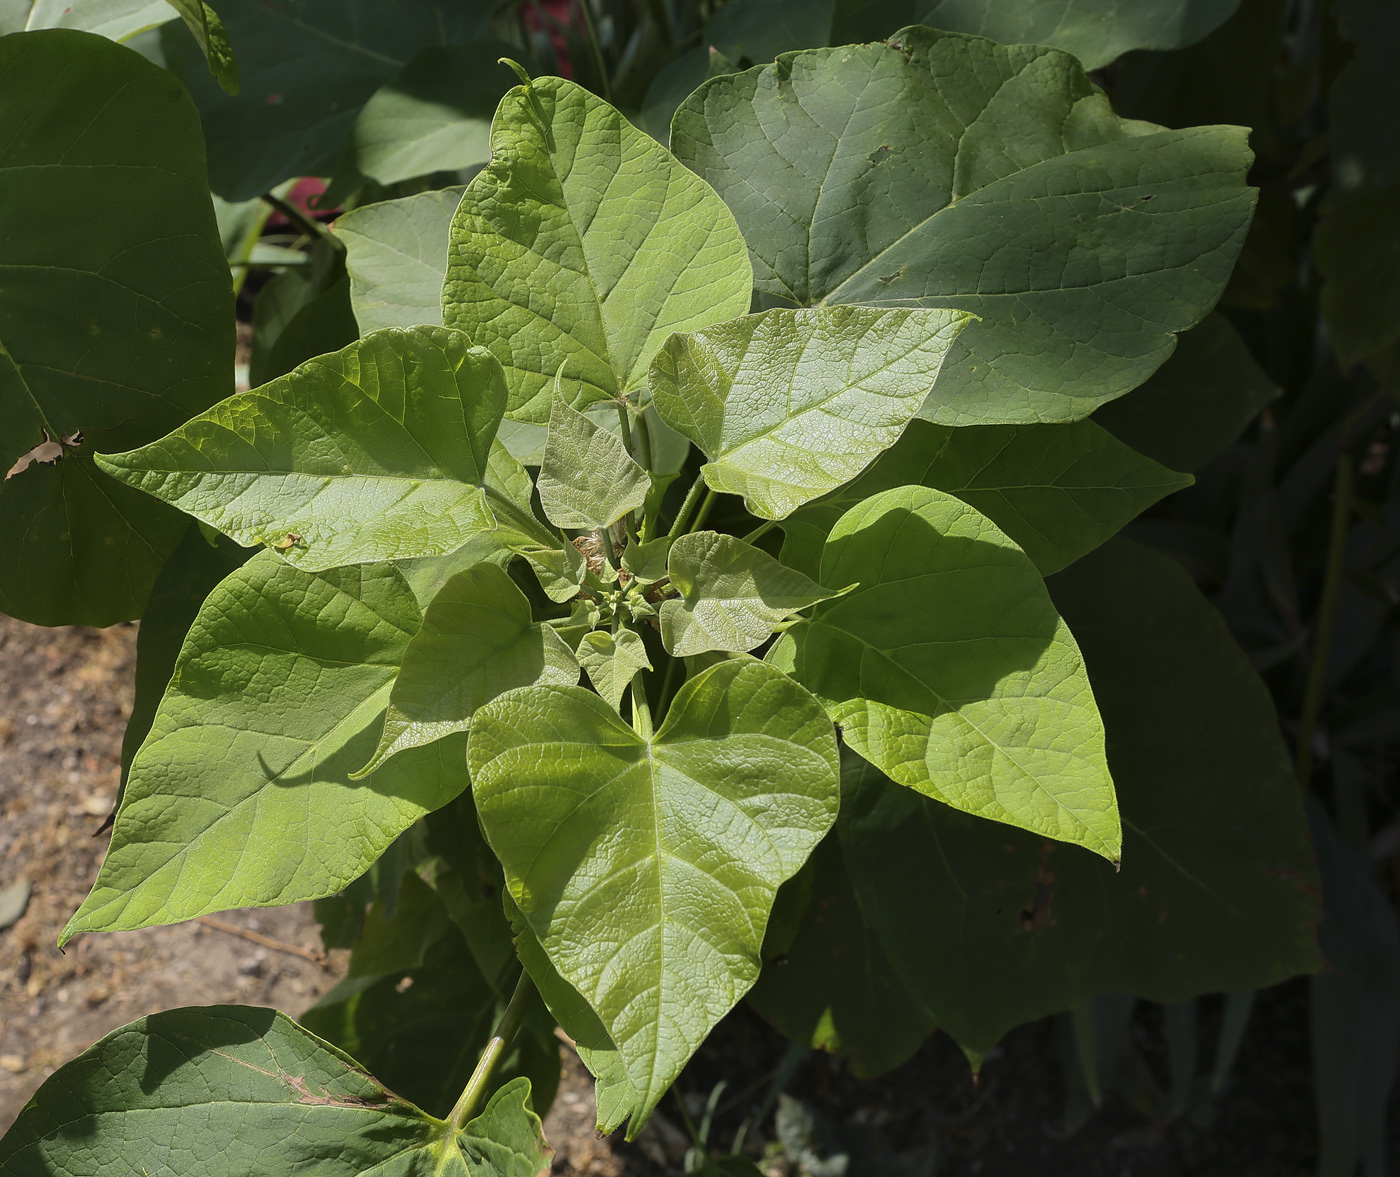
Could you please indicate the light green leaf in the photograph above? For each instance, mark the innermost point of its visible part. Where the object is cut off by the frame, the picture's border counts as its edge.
(647, 866)
(647, 561)
(212, 1090)
(610, 660)
(950, 671)
(212, 38)
(477, 641)
(1058, 491)
(788, 405)
(1095, 31)
(735, 596)
(1218, 889)
(560, 570)
(587, 480)
(377, 452)
(396, 252)
(585, 243)
(114, 328)
(118, 20)
(275, 700)
(435, 116)
(945, 170)
(307, 67)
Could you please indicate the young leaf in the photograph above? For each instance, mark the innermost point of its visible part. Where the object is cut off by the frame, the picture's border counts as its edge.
(944, 170)
(735, 595)
(585, 241)
(949, 669)
(476, 642)
(611, 659)
(114, 327)
(212, 38)
(377, 452)
(396, 253)
(587, 480)
(788, 405)
(1057, 490)
(647, 866)
(1218, 888)
(275, 701)
(212, 1090)
(647, 561)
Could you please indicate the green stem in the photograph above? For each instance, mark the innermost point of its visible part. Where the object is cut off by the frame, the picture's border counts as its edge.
(1326, 616)
(622, 412)
(308, 224)
(597, 48)
(529, 525)
(474, 1094)
(678, 525)
(758, 532)
(641, 709)
(643, 441)
(705, 508)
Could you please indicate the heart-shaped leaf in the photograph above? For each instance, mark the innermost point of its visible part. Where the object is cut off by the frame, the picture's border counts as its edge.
(587, 480)
(276, 699)
(611, 660)
(949, 669)
(115, 325)
(378, 452)
(207, 1091)
(581, 213)
(788, 405)
(647, 866)
(477, 641)
(735, 596)
(1057, 490)
(945, 170)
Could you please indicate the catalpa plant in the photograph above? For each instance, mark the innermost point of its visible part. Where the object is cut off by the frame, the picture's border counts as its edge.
(716, 500)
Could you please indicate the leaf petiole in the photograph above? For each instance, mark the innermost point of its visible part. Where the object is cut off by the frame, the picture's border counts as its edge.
(641, 708)
(475, 1092)
(678, 525)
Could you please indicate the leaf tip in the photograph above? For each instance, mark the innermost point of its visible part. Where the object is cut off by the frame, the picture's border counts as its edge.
(520, 71)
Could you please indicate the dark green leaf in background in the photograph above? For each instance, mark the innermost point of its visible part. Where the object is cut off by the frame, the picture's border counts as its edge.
(950, 670)
(304, 311)
(113, 328)
(222, 1089)
(647, 866)
(1057, 490)
(307, 67)
(946, 170)
(241, 794)
(435, 116)
(476, 642)
(584, 214)
(788, 405)
(378, 452)
(1217, 889)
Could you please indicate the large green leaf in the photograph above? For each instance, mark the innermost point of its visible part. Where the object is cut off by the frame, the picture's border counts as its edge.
(307, 68)
(833, 987)
(1217, 889)
(1057, 490)
(241, 796)
(1196, 403)
(949, 669)
(647, 866)
(585, 244)
(435, 115)
(477, 641)
(788, 405)
(377, 452)
(946, 170)
(587, 479)
(396, 252)
(1095, 31)
(114, 326)
(734, 595)
(209, 1091)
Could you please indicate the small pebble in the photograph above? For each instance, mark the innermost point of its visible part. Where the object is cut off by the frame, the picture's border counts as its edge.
(14, 1063)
